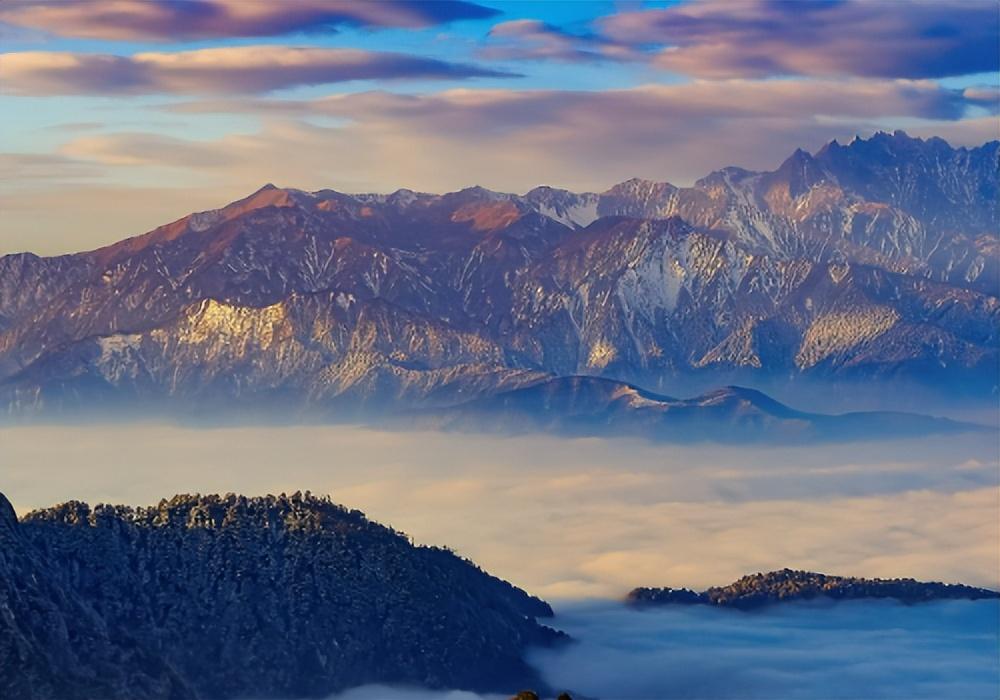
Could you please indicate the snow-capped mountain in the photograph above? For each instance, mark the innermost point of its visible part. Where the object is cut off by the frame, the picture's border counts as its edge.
(867, 261)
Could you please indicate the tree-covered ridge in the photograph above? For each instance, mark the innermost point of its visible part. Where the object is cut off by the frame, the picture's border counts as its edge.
(228, 596)
(760, 589)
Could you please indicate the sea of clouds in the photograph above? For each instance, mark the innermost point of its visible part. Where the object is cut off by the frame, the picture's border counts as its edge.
(578, 519)
(570, 518)
(858, 649)
(810, 651)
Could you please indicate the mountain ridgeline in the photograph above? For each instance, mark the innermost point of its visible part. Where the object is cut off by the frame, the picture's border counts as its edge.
(863, 263)
(230, 597)
(593, 406)
(788, 585)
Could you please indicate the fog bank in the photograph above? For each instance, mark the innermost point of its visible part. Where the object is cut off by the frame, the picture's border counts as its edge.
(569, 518)
(945, 650)
(856, 649)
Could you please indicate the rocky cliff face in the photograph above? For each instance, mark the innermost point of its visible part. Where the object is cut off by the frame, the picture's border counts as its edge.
(225, 597)
(874, 260)
(757, 590)
(910, 205)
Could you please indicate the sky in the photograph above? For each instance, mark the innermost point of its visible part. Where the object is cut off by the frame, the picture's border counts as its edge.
(121, 115)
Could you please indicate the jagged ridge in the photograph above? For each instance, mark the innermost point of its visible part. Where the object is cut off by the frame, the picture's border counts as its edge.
(873, 261)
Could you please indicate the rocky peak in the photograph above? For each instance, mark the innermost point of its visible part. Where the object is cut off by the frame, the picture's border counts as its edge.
(477, 193)
(266, 196)
(949, 190)
(883, 145)
(569, 208)
(205, 224)
(799, 173)
(638, 198)
(546, 192)
(638, 187)
(555, 197)
(725, 177)
(403, 197)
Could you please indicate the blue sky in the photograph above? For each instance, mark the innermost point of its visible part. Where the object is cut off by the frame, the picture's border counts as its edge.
(119, 115)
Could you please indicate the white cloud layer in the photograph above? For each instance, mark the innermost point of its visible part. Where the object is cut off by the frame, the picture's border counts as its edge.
(864, 649)
(570, 518)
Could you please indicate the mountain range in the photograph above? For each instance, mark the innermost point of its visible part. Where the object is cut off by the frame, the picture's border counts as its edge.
(865, 264)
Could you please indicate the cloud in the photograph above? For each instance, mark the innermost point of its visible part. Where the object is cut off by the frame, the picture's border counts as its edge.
(235, 69)
(716, 39)
(503, 111)
(534, 40)
(176, 20)
(858, 649)
(582, 140)
(592, 517)
(141, 148)
(569, 518)
(615, 128)
(967, 131)
(17, 168)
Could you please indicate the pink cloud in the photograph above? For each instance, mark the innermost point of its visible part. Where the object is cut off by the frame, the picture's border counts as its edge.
(172, 20)
(236, 69)
(756, 38)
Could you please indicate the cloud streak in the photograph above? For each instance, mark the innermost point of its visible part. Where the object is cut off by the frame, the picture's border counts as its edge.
(658, 106)
(222, 70)
(178, 20)
(533, 40)
(581, 140)
(716, 39)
